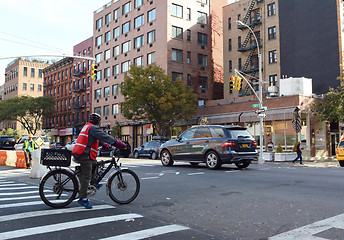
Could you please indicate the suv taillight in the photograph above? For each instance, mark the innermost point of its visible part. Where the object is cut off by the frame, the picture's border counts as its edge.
(254, 144)
(229, 144)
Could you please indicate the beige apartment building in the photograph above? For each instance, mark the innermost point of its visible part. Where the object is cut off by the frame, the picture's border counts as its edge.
(23, 77)
(182, 37)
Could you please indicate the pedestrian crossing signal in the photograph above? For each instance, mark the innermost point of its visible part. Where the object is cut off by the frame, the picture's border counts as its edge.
(94, 71)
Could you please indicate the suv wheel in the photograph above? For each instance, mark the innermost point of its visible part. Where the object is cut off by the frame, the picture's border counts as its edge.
(136, 154)
(213, 160)
(341, 163)
(166, 158)
(154, 156)
(242, 165)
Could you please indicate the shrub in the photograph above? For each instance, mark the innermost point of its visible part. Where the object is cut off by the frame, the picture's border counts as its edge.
(279, 148)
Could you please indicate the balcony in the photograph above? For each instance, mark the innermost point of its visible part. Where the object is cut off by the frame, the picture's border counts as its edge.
(79, 73)
(80, 88)
(78, 123)
(78, 106)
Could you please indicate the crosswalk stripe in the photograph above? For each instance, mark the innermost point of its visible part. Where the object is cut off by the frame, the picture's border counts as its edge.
(18, 193)
(65, 226)
(16, 188)
(12, 184)
(22, 198)
(51, 212)
(22, 204)
(148, 233)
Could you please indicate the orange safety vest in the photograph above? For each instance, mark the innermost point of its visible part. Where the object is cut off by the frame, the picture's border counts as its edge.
(81, 143)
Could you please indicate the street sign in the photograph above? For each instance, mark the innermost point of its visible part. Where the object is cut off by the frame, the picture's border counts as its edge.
(255, 105)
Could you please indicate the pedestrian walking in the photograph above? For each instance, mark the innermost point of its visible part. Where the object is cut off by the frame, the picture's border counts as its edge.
(85, 152)
(28, 147)
(299, 153)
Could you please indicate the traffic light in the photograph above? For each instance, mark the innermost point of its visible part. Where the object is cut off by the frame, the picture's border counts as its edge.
(232, 83)
(238, 83)
(94, 71)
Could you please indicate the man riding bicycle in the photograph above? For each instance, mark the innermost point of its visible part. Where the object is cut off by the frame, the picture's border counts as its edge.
(85, 152)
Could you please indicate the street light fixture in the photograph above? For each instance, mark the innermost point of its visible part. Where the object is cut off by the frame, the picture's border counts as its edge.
(260, 89)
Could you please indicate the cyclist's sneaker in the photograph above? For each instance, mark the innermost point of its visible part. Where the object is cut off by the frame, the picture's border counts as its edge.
(99, 185)
(84, 203)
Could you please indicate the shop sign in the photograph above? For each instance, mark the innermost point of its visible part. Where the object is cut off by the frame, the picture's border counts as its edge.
(69, 131)
(149, 129)
(62, 132)
(54, 132)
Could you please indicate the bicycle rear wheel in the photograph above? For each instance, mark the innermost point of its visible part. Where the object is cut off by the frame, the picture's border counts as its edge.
(123, 186)
(58, 188)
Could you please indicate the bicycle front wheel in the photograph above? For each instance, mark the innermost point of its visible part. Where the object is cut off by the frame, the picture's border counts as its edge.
(58, 188)
(123, 186)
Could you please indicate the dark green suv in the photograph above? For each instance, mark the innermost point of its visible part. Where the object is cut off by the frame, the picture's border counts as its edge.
(213, 145)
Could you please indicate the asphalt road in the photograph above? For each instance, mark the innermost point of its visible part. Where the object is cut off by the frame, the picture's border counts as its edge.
(260, 202)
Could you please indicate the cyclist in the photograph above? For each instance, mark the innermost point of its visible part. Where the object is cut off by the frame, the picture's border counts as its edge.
(85, 152)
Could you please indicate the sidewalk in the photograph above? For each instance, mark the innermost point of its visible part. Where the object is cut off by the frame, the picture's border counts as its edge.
(328, 162)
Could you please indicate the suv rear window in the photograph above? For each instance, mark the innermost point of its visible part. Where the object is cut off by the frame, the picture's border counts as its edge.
(6, 138)
(239, 133)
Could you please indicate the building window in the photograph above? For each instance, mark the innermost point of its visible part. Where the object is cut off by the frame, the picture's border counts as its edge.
(177, 10)
(126, 27)
(115, 89)
(115, 69)
(177, 32)
(239, 16)
(201, 102)
(116, 51)
(99, 75)
(273, 56)
(116, 14)
(139, 21)
(239, 42)
(273, 80)
(229, 45)
(239, 64)
(188, 80)
(99, 23)
(114, 109)
(106, 72)
(138, 3)
(188, 57)
(188, 35)
(40, 73)
(116, 32)
(32, 87)
(177, 76)
(107, 54)
(107, 92)
(229, 23)
(138, 61)
(203, 82)
(202, 38)
(99, 57)
(32, 72)
(271, 9)
(202, 60)
(25, 72)
(125, 66)
(108, 36)
(98, 110)
(230, 67)
(151, 36)
(126, 47)
(272, 33)
(126, 8)
(98, 94)
(39, 88)
(177, 55)
(202, 18)
(24, 86)
(138, 42)
(188, 14)
(151, 58)
(107, 18)
(151, 15)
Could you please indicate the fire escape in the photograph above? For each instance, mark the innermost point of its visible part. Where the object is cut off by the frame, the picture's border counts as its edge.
(249, 45)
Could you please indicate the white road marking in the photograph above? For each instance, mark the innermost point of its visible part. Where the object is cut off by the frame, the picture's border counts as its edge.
(233, 171)
(307, 232)
(199, 173)
(64, 226)
(16, 188)
(3, 182)
(149, 178)
(22, 204)
(27, 197)
(17, 193)
(51, 212)
(148, 233)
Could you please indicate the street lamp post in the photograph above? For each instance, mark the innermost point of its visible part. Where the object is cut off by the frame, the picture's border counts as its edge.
(260, 89)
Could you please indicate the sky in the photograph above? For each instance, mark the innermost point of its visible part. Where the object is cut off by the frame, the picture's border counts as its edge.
(43, 27)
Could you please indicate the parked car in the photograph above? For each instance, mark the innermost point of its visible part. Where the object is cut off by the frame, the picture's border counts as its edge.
(125, 152)
(7, 142)
(69, 146)
(150, 149)
(20, 142)
(106, 150)
(340, 153)
(56, 145)
(211, 144)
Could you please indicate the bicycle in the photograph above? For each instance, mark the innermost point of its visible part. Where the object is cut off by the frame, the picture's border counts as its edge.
(60, 186)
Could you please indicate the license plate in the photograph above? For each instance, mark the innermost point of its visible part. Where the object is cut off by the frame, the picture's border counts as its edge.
(7, 143)
(244, 145)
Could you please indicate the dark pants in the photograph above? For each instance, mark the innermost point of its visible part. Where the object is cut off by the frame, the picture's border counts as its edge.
(85, 173)
(28, 158)
(299, 156)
